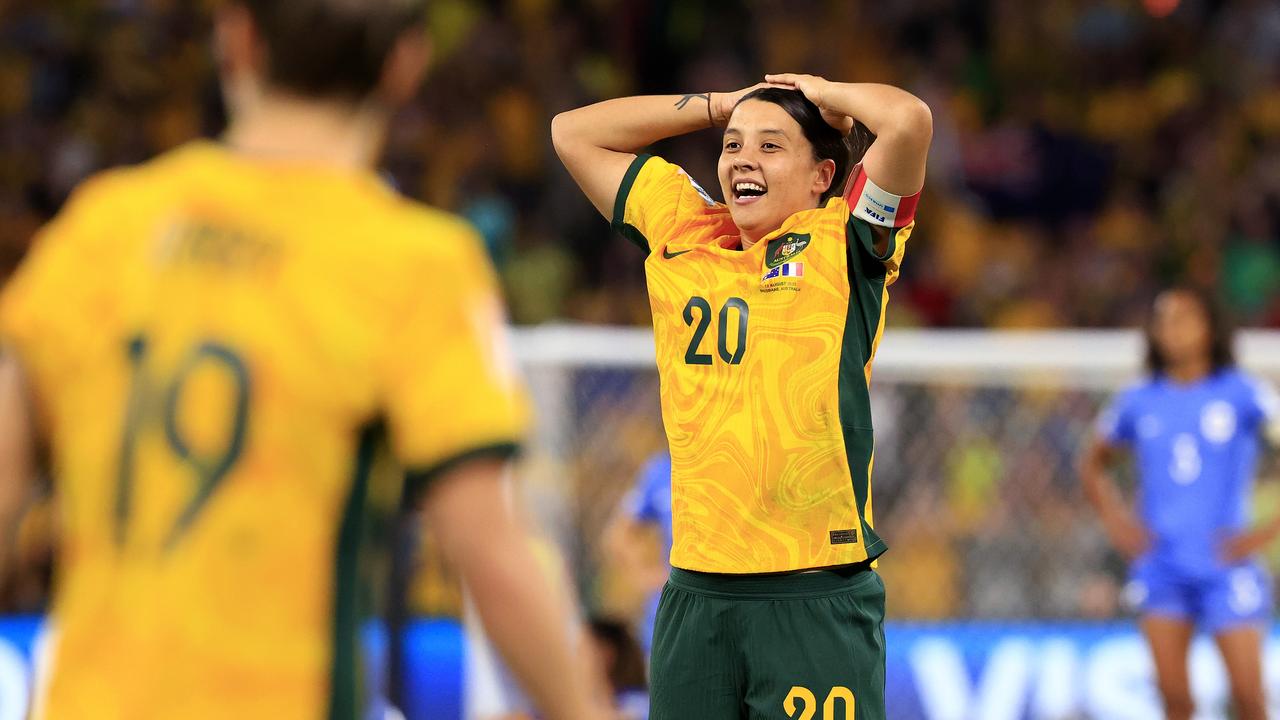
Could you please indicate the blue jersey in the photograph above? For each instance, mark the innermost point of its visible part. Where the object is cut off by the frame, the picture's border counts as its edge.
(1196, 447)
(649, 502)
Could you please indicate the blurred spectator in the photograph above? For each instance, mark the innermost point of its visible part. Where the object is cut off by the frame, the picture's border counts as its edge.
(623, 663)
(1085, 152)
(638, 539)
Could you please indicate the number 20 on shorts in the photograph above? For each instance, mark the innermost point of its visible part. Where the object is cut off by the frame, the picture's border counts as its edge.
(808, 703)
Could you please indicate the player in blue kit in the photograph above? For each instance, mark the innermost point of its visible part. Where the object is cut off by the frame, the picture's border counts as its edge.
(1194, 426)
(645, 508)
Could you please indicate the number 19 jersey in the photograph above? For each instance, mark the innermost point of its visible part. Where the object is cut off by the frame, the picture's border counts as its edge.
(216, 345)
(764, 357)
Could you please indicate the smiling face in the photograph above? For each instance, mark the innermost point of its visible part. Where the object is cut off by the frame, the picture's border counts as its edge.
(767, 168)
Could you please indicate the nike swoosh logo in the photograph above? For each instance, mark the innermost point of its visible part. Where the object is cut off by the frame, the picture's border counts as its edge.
(669, 255)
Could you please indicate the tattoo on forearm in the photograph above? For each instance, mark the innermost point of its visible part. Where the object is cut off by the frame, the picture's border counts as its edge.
(685, 99)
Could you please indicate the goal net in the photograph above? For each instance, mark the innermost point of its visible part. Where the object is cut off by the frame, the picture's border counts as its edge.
(975, 491)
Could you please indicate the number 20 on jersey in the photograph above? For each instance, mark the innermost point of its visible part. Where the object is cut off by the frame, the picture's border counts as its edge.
(698, 315)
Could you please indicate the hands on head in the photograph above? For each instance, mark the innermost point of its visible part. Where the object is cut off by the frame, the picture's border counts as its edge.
(723, 103)
(812, 86)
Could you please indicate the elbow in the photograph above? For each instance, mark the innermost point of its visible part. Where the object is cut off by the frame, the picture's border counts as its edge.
(907, 127)
(561, 131)
(1090, 466)
(917, 120)
(1087, 464)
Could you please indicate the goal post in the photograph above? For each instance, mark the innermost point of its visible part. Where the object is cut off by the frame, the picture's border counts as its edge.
(974, 485)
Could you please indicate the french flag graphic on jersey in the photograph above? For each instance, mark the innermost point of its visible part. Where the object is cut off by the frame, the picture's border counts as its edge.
(791, 269)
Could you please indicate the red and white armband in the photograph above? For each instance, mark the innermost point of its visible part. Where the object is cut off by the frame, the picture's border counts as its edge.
(878, 206)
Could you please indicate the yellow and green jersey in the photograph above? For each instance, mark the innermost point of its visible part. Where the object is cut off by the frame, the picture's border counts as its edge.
(764, 357)
(216, 346)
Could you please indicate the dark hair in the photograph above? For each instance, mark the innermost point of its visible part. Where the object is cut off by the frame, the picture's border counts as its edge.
(331, 48)
(1221, 334)
(827, 142)
(627, 671)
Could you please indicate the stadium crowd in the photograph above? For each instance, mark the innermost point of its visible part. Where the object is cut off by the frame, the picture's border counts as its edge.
(1085, 153)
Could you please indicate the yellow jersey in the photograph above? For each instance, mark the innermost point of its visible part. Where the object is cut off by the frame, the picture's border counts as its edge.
(217, 345)
(764, 357)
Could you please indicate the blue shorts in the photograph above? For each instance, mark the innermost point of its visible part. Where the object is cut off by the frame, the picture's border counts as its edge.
(1214, 602)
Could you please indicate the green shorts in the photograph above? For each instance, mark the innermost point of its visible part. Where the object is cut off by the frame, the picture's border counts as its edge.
(806, 646)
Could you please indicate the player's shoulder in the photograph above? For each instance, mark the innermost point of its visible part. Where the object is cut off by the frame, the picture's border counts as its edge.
(651, 174)
(120, 190)
(94, 211)
(1141, 390)
(836, 216)
(650, 168)
(1224, 382)
(107, 191)
(431, 234)
(1236, 381)
(198, 160)
(1233, 376)
(417, 217)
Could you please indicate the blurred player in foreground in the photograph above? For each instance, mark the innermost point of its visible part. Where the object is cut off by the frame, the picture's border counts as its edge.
(489, 689)
(767, 310)
(213, 345)
(1194, 426)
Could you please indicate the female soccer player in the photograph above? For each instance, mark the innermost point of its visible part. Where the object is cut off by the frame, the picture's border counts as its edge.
(767, 309)
(1194, 426)
(220, 349)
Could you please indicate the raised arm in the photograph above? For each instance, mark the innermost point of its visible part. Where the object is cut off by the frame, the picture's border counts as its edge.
(597, 143)
(901, 122)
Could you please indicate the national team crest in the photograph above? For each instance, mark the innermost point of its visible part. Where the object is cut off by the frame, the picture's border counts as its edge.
(782, 249)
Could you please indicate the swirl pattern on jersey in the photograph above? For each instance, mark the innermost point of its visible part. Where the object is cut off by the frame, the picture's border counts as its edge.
(771, 449)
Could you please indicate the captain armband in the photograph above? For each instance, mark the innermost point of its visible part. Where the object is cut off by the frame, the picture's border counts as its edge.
(878, 206)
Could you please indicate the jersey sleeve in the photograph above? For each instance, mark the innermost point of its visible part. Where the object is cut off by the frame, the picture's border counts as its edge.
(887, 231)
(1262, 405)
(452, 391)
(1117, 424)
(44, 308)
(655, 201)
